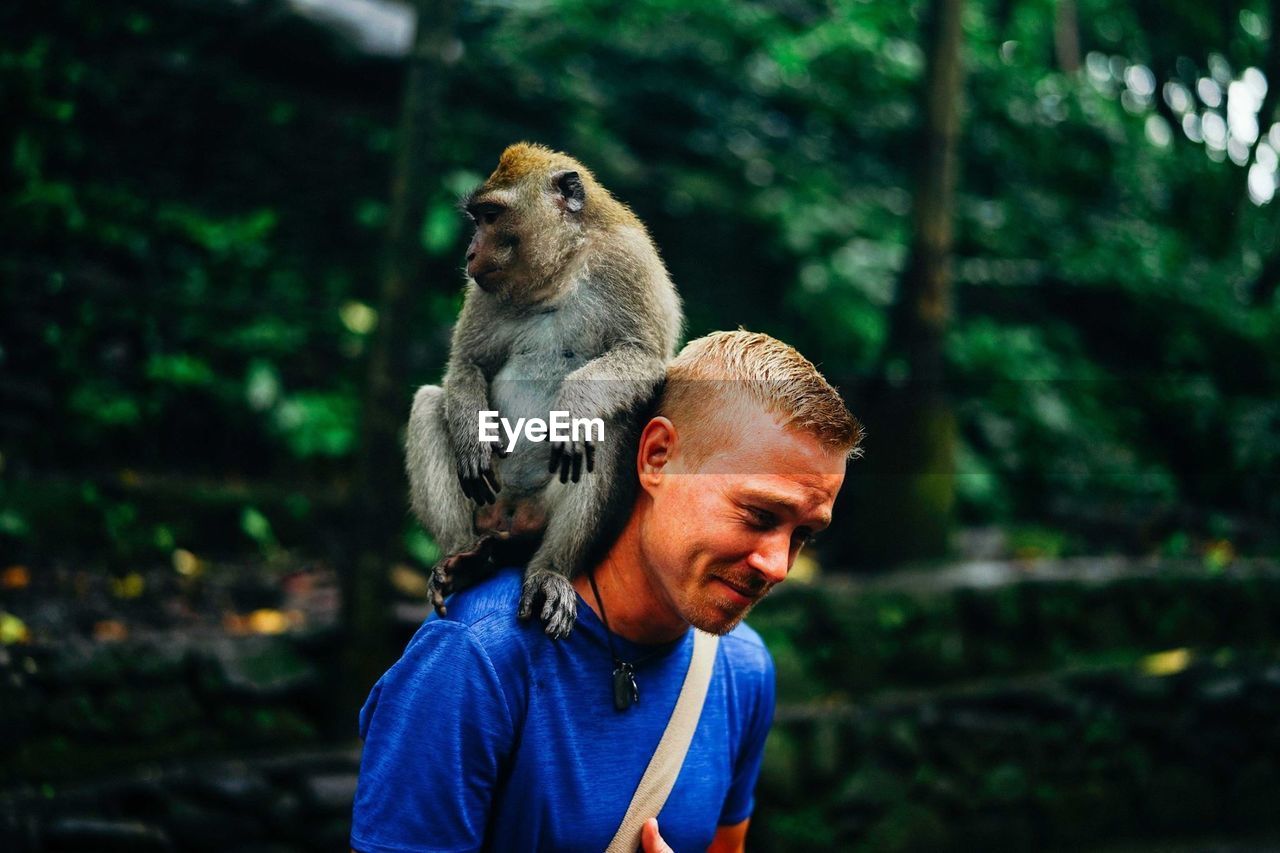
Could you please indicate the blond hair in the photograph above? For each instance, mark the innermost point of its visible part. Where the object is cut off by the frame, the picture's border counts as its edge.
(766, 371)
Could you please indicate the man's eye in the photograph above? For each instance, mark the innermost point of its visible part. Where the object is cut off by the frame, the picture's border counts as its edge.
(760, 519)
(801, 538)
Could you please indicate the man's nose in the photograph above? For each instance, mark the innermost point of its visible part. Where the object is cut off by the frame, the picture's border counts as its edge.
(772, 557)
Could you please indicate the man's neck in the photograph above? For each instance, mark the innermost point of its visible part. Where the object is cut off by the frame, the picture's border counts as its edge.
(636, 608)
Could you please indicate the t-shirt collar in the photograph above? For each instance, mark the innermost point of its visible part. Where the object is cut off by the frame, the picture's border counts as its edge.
(636, 653)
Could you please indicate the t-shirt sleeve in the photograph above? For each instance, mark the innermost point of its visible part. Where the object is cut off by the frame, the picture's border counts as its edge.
(740, 801)
(436, 731)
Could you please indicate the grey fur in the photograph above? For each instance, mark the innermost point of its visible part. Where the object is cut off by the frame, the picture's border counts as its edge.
(595, 343)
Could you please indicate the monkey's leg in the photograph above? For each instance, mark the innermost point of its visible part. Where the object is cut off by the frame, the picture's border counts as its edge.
(574, 528)
(434, 491)
(469, 565)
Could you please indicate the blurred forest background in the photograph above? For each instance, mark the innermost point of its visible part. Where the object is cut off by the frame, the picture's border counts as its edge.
(1033, 241)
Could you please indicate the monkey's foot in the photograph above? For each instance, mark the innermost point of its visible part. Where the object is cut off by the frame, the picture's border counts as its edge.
(559, 602)
(441, 584)
(442, 574)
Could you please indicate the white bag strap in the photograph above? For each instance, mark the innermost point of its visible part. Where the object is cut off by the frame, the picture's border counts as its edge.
(660, 776)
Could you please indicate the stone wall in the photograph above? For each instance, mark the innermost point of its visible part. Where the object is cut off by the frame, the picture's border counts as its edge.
(78, 707)
(297, 801)
(1026, 706)
(1064, 762)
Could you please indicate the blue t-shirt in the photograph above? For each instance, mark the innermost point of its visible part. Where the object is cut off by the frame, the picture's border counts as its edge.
(486, 734)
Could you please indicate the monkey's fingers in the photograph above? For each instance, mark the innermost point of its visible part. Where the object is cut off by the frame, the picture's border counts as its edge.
(465, 485)
(566, 463)
(528, 595)
(478, 483)
(471, 488)
(591, 457)
(489, 479)
(554, 462)
(577, 467)
(560, 607)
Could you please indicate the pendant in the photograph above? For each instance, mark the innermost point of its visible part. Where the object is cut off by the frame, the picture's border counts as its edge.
(625, 691)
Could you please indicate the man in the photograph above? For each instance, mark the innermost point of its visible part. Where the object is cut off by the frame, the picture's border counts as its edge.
(488, 735)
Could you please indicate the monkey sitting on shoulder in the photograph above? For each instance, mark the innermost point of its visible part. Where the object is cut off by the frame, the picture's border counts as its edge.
(568, 308)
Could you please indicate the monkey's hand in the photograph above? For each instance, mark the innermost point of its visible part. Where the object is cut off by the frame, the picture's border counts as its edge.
(559, 601)
(475, 472)
(569, 457)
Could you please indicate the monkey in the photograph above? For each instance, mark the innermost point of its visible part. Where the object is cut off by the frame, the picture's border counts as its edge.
(567, 307)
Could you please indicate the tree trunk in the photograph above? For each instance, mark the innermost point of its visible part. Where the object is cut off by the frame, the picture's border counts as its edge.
(1066, 36)
(902, 493)
(380, 494)
(922, 309)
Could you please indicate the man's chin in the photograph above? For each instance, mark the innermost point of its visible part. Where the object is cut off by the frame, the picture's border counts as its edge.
(716, 620)
(719, 627)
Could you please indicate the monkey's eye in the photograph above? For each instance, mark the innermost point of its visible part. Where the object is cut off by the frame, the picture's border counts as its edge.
(484, 214)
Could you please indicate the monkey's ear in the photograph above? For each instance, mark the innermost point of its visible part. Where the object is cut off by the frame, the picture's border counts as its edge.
(569, 185)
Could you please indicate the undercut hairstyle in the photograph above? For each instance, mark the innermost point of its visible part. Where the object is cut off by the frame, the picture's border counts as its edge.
(714, 373)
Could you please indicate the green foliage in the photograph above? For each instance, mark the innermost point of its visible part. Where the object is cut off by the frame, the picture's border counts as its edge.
(317, 423)
(193, 235)
(256, 526)
(421, 547)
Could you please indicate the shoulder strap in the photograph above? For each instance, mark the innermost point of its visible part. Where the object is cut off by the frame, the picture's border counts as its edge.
(660, 776)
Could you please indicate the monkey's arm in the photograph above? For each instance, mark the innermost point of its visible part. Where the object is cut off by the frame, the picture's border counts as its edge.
(466, 394)
(606, 386)
(473, 354)
(611, 382)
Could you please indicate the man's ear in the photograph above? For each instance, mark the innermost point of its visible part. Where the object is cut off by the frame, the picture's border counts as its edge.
(658, 444)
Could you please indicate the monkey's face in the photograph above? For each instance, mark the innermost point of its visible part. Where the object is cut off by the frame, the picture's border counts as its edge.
(525, 234)
(719, 534)
(494, 259)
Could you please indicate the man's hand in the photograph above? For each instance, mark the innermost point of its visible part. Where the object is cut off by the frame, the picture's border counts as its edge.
(729, 839)
(651, 841)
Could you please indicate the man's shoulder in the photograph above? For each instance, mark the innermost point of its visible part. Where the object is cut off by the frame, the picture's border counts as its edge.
(480, 642)
(493, 599)
(486, 613)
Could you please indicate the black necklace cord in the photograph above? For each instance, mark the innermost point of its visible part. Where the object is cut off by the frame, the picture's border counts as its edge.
(625, 690)
(608, 634)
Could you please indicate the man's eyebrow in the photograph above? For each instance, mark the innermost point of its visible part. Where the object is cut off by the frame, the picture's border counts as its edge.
(781, 501)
